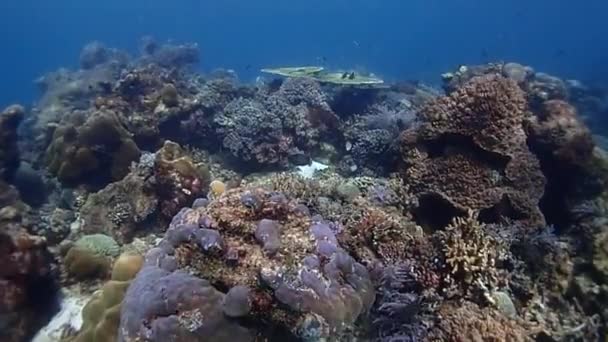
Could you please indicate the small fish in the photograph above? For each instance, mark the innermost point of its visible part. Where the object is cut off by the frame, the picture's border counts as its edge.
(248, 66)
(484, 54)
(559, 53)
(351, 76)
(355, 43)
(345, 75)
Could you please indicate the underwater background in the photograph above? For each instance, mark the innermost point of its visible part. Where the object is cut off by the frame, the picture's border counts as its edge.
(307, 171)
(414, 40)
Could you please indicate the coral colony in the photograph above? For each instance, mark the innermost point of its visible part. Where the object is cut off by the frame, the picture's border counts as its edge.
(142, 201)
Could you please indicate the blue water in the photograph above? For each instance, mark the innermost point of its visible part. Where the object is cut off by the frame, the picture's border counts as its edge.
(397, 39)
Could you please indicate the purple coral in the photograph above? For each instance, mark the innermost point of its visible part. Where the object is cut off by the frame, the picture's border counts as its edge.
(175, 306)
(268, 234)
(208, 240)
(163, 303)
(237, 302)
(327, 280)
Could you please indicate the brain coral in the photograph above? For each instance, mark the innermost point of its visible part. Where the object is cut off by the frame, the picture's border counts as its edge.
(470, 151)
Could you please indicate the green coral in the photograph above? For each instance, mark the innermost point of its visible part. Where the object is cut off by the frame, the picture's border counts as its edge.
(100, 244)
(82, 263)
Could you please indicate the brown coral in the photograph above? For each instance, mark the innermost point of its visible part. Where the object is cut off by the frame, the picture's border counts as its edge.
(26, 282)
(471, 254)
(470, 151)
(91, 148)
(180, 180)
(558, 131)
(468, 322)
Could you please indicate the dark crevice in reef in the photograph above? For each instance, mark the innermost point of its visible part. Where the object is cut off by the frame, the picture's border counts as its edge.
(502, 209)
(434, 212)
(456, 143)
(351, 101)
(566, 185)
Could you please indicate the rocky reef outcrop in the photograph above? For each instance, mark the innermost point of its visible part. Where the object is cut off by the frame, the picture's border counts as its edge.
(91, 149)
(297, 277)
(152, 192)
(28, 277)
(470, 152)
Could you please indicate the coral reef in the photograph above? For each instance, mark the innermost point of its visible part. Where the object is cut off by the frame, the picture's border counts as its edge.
(468, 322)
(557, 131)
(297, 275)
(154, 190)
(91, 149)
(268, 132)
(27, 274)
(470, 151)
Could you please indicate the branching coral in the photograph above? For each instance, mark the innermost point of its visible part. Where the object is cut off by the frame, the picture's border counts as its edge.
(471, 254)
(266, 132)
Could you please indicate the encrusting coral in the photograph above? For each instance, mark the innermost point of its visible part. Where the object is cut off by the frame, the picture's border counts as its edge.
(101, 315)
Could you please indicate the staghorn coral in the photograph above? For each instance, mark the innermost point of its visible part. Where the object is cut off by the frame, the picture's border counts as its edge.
(91, 148)
(471, 254)
(470, 152)
(10, 118)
